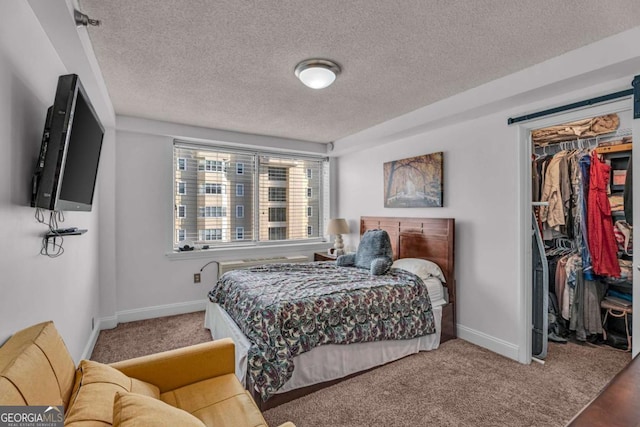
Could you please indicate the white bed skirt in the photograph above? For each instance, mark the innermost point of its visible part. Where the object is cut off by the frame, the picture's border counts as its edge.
(327, 362)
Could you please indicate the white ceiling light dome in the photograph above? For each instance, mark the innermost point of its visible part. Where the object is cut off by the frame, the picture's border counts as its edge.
(317, 73)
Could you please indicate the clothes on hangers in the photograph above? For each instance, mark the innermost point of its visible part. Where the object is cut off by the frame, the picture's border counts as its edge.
(602, 241)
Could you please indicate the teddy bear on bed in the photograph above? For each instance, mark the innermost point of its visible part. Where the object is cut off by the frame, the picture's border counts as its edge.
(374, 253)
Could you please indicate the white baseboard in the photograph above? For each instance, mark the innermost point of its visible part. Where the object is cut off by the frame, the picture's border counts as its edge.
(93, 338)
(124, 316)
(109, 322)
(143, 313)
(494, 344)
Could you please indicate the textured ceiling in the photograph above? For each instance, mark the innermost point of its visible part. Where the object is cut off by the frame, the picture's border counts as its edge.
(228, 64)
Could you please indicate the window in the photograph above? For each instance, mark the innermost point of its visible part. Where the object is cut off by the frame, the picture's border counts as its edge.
(277, 194)
(277, 214)
(309, 210)
(277, 233)
(277, 174)
(182, 187)
(211, 166)
(211, 234)
(181, 235)
(246, 197)
(210, 188)
(309, 192)
(212, 211)
(309, 230)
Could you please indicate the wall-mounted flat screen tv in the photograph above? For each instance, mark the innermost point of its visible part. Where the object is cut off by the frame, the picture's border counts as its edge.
(67, 167)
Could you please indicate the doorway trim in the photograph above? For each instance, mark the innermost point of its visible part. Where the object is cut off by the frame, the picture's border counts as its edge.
(524, 152)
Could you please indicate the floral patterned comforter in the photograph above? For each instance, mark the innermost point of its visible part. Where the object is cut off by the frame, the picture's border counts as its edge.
(288, 309)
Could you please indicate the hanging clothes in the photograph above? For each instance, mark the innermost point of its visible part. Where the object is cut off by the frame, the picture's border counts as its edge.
(584, 164)
(602, 241)
(553, 215)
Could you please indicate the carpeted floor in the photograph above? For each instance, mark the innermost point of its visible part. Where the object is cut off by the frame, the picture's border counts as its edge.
(459, 384)
(150, 336)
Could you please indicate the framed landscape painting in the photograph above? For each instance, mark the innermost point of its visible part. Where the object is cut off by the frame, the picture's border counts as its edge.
(415, 182)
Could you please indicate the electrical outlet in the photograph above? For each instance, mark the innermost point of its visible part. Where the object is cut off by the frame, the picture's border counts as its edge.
(196, 278)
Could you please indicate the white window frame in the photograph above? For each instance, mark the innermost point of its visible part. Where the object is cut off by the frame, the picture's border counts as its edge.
(239, 211)
(280, 228)
(309, 211)
(213, 185)
(239, 233)
(207, 165)
(212, 211)
(276, 199)
(309, 230)
(181, 164)
(309, 192)
(211, 234)
(184, 188)
(276, 177)
(239, 168)
(181, 235)
(309, 173)
(255, 161)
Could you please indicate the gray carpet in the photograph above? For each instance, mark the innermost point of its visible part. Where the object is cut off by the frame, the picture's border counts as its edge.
(150, 336)
(459, 384)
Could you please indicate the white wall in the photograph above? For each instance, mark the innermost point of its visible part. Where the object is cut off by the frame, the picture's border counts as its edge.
(479, 192)
(34, 288)
(482, 179)
(151, 280)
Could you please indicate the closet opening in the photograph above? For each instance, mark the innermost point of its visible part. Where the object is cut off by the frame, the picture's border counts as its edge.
(582, 243)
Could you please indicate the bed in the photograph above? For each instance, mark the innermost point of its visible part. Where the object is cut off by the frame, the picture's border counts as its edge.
(423, 238)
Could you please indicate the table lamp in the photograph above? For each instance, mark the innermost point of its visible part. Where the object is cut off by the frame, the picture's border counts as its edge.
(337, 227)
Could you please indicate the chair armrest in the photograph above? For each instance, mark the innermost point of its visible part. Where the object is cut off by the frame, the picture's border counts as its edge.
(183, 366)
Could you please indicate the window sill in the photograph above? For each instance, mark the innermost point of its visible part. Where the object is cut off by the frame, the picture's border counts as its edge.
(266, 251)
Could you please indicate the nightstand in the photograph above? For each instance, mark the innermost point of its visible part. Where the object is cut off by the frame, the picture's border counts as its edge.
(323, 256)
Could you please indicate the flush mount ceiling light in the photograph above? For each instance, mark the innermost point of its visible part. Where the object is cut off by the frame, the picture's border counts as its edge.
(317, 73)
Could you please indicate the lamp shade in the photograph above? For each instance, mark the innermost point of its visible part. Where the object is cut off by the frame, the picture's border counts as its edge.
(337, 226)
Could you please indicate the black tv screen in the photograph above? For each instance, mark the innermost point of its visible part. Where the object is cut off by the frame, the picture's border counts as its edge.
(67, 167)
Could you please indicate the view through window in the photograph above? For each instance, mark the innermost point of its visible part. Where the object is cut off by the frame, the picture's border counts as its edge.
(224, 196)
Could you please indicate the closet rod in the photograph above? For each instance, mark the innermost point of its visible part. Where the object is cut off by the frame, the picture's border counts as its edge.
(591, 142)
(635, 91)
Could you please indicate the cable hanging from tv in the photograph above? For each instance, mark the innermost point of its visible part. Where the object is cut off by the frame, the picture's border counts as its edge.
(51, 247)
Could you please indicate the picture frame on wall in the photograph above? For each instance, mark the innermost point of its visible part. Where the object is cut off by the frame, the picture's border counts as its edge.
(415, 182)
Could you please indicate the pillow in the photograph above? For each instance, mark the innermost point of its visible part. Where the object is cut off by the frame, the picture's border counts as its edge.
(373, 244)
(420, 267)
(95, 388)
(130, 409)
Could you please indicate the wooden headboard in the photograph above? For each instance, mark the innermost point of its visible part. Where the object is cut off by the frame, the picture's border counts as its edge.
(426, 238)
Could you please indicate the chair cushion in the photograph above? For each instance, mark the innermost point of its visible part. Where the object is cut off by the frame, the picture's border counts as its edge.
(219, 401)
(36, 352)
(135, 410)
(95, 390)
